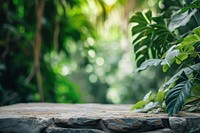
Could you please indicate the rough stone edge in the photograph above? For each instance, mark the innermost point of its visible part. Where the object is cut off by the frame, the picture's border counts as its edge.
(187, 124)
(24, 125)
(38, 125)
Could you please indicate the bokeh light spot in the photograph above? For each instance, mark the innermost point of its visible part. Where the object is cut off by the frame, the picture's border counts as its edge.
(89, 68)
(100, 61)
(90, 41)
(93, 78)
(110, 2)
(91, 53)
(65, 71)
(113, 95)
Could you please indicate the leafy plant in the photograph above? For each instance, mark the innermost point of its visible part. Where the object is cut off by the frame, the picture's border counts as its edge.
(177, 96)
(151, 36)
(183, 50)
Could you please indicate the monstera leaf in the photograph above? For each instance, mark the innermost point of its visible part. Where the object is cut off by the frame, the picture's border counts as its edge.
(151, 36)
(177, 96)
(170, 55)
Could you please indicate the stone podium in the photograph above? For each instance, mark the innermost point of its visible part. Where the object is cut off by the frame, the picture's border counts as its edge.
(90, 118)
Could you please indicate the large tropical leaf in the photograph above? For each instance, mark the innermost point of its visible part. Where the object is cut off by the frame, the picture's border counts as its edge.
(187, 71)
(151, 36)
(177, 96)
(181, 51)
(170, 55)
(179, 20)
(193, 38)
(147, 63)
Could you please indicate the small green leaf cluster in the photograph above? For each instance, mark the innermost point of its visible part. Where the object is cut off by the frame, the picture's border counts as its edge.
(151, 102)
(164, 43)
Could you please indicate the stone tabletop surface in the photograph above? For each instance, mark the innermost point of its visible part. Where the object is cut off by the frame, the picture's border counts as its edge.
(56, 110)
(90, 118)
(49, 110)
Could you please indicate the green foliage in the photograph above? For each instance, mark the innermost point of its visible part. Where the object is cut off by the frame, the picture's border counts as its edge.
(170, 55)
(186, 70)
(147, 63)
(150, 103)
(139, 104)
(184, 53)
(152, 36)
(194, 4)
(65, 24)
(178, 20)
(177, 96)
(69, 72)
(191, 39)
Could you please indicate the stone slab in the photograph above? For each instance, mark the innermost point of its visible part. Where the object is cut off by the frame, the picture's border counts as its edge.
(49, 110)
(90, 118)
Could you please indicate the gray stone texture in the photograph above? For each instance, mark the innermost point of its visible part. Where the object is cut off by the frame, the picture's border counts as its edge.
(91, 118)
(71, 130)
(22, 125)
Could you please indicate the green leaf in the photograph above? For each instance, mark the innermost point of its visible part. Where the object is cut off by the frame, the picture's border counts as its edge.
(148, 97)
(192, 109)
(159, 96)
(139, 18)
(181, 58)
(191, 39)
(171, 54)
(147, 63)
(149, 106)
(138, 38)
(149, 15)
(187, 70)
(140, 60)
(197, 31)
(137, 29)
(194, 54)
(196, 89)
(151, 36)
(146, 104)
(165, 68)
(194, 4)
(155, 111)
(188, 42)
(177, 96)
(179, 20)
(138, 105)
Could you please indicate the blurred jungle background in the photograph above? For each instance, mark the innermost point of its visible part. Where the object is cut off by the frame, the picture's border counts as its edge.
(72, 51)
